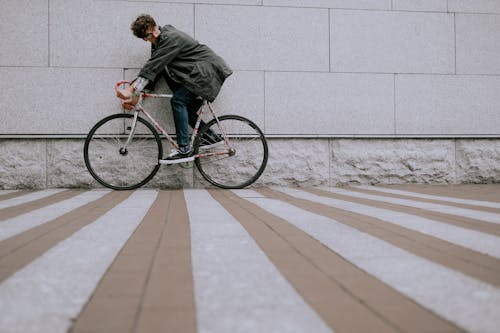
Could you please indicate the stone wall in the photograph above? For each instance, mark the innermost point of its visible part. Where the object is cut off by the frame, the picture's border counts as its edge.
(292, 162)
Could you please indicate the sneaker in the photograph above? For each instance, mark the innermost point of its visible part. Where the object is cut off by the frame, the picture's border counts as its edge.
(211, 140)
(177, 154)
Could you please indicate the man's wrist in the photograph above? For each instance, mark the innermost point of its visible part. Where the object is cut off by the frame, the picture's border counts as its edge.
(139, 84)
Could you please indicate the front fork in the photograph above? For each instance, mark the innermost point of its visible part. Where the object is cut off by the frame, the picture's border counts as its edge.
(123, 150)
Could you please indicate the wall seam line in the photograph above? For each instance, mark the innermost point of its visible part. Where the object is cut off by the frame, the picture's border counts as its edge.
(330, 13)
(394, 103)
(455, 39)
(264, 98)
(48, 33)
(194, 21)
(309, 7)
(330, 180)
(455, 177)
(46, 163)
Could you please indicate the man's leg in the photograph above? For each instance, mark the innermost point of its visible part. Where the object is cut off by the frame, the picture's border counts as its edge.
(180, 101)
(193, 108)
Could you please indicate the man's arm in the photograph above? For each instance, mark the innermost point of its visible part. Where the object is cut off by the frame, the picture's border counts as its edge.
(130, 95)
(168, 48)
(166, 51)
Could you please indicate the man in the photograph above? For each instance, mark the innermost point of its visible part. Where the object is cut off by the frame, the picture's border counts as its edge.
(191, 69)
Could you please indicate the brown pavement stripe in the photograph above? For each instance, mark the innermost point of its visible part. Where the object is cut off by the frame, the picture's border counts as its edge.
(12, 195)
(10, 212)
(469, 262)
(115, 303)
(169, 303)
(148, 288)
(20, 250)
(345, 297)
(459, 221)
(434, 201)
(484, 192)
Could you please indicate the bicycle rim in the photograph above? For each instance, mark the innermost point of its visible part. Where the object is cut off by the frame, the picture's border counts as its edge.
(238, 164)
(114, 167)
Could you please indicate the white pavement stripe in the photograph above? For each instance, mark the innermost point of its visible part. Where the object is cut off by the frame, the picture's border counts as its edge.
(48, 293)
(467, 302)
(28, 197)
(452, 210)
(472, 239)
(2, 192)
(237, 288)
(21, 223)
(489, 204)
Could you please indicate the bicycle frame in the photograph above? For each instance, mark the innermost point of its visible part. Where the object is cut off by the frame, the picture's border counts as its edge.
(139, 108)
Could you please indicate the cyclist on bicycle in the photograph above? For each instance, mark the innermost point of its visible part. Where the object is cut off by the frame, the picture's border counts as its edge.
(192, 70)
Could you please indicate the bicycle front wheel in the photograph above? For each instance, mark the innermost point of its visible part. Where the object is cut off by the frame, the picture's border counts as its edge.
(116, 166)
(236, 162)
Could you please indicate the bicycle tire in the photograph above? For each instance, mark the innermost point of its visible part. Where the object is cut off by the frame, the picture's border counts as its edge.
(122, 169)
(247, 163)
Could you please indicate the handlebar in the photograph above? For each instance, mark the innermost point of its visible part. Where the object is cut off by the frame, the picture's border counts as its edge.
(119, 94)
(143, 94)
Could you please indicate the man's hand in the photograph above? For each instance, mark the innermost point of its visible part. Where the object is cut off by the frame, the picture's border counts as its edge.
(128, 99)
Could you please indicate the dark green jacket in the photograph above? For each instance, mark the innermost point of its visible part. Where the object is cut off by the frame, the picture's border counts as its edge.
(188, 62)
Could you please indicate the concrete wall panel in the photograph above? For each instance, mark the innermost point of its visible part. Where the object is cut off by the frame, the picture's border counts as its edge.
(23, 164)
(24, 26)
(297, 162)
(266, 38)
(243, 94)
(474, 6)
(56, 100)
(447, 104)
(478, 161)
(97, 34)
(214, 2)
(323, 103)
(347, 4)
(420, 5)
(478, 44)
(392, 161)
(392, 42)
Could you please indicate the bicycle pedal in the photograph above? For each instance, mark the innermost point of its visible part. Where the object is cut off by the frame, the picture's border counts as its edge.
(186, 165)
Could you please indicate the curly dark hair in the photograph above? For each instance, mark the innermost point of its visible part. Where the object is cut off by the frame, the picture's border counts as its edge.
(142, 23)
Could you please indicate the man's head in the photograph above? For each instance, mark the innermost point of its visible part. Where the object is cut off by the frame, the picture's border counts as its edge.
(145, 27)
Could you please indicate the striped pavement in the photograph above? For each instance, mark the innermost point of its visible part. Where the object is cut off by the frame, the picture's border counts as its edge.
(407, 258)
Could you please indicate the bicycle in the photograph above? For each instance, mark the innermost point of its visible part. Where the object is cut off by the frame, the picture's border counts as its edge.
(124, 151)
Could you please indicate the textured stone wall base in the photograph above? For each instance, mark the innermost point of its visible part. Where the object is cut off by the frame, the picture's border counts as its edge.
(49, 163)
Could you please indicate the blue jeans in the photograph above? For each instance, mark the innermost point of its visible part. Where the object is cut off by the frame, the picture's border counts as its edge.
(184, 110)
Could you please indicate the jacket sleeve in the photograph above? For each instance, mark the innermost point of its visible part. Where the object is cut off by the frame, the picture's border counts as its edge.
(166, 51)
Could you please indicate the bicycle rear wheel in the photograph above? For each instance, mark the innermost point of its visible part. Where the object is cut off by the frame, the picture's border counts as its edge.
(117, 167)
(240, 160)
